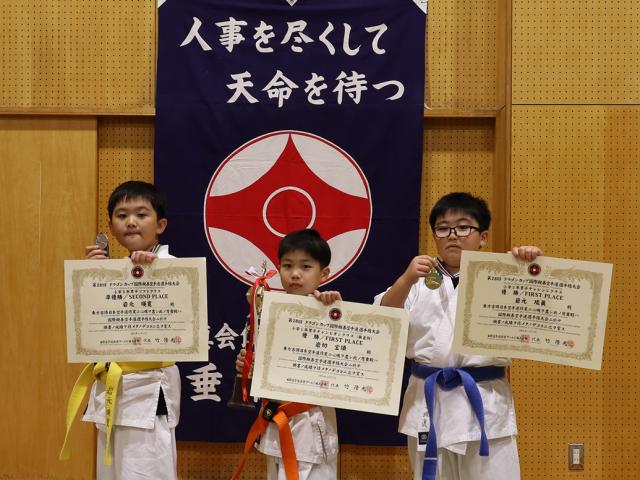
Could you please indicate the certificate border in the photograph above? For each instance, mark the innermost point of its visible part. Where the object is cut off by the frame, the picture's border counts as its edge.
(595, 279)
(79, 276)
(394, 328)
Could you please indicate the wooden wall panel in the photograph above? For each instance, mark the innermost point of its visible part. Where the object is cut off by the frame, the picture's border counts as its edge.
(361, 462)
(576, 52)
(575, 193)
(125, 152)
(47, 212)
(462, 54)
(204, 461)
(458, 156)
(77, 56)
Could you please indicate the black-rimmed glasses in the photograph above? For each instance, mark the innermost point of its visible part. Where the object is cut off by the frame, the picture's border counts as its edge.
(458, 230)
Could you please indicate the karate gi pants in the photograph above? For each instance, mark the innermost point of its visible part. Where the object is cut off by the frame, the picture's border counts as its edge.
(306, 471)
(501, 464)
(138, 453)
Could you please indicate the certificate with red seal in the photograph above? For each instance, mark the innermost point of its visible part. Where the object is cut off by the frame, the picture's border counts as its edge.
(119, 311)
(344, 355)
(552, 309)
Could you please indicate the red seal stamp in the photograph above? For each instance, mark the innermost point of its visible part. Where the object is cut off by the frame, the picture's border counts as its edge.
(535, 269)
(177, 339)
(525, 339)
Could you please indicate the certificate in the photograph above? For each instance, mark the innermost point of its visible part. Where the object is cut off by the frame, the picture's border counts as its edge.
(118, 311)
(344, 355)
(552, 310)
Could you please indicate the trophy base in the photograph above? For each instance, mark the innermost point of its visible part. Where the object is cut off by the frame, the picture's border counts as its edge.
(236, 400)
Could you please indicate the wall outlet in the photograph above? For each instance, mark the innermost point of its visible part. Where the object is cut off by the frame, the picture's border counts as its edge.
(576, 456)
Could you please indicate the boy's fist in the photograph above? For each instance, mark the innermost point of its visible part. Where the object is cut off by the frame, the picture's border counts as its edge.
(95, 252)
(142, 256)
(240, 361)
(328, 297)
(419, 267)
(527, 253)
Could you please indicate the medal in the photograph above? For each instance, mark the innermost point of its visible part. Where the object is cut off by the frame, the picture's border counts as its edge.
(433, 279)
(103, 242)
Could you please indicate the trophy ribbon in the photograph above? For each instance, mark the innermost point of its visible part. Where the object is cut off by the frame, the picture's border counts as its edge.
(259, 286)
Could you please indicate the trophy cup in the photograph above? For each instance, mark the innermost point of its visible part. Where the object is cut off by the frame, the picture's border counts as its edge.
(242, 382)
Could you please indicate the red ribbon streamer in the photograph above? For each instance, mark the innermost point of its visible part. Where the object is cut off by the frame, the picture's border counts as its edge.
(248, 359)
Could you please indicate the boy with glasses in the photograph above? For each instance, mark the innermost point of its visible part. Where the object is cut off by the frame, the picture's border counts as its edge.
(427, 290)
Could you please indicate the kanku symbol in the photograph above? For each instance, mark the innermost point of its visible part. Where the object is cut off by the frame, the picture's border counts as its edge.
(281, 182)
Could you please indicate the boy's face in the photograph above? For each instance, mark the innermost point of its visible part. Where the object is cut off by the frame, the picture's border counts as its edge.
(300, 274)
(450, 248)
(135, 224)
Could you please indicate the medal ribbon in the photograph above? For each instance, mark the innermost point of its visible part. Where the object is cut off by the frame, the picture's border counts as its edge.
(110, 373)
(443, 270)
(261, 281)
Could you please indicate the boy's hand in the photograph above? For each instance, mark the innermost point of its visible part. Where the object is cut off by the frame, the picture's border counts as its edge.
(327, 297)
(95, 252)
(419, 267)
(143, 257)
(527, 253)
(240, 361)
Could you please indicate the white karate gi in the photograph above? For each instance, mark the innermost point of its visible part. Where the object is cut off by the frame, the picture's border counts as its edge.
(432, 317)
(143, 444)
(315, 437)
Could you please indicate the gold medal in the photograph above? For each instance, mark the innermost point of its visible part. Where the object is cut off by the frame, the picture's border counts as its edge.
(433, 279)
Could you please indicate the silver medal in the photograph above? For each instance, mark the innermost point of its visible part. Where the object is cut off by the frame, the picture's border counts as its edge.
(103, 242)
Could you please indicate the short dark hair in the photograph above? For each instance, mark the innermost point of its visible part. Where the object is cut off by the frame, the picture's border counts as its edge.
(137, 189)
(463, 202)
(308, 241)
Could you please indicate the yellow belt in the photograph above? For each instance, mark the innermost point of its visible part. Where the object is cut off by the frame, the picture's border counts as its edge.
(110, 374)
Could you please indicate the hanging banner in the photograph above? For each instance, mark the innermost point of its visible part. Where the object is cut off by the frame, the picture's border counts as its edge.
(277, 115)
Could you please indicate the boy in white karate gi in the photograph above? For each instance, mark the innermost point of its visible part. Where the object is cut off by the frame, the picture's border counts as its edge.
(460, 388)
(141, 444)
(304, 258)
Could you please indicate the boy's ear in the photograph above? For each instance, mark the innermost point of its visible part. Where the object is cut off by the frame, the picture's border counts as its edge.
(162, 225)
(324, 274)
(484, 238)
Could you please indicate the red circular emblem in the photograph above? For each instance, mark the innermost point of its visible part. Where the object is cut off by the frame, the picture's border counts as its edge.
(281, 182)
(534, 269)
(335, 314)
(137, 271)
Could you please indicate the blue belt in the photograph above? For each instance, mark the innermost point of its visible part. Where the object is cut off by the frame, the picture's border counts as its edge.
(449, 378)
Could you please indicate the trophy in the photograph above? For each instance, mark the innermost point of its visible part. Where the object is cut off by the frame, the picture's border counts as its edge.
(242, 382)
